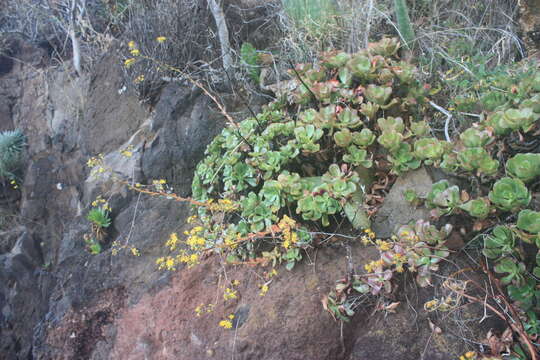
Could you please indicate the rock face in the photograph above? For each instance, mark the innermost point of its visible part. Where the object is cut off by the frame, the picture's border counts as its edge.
(57, 301)
(396, 210)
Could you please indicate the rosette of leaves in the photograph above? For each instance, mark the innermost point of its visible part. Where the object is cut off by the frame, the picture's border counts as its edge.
(499, 243)
(529, 220)
(364, 138)
(307, 137)
(99, 217)
(403, 159)
(430, 150)
(509, 194)
(513, 269)
(443, 196)
(475, 138)
(423, 248)
(525, 167)
(478, 208)
(357, 157)
(100, 220)
(506, 121)
(477, 158)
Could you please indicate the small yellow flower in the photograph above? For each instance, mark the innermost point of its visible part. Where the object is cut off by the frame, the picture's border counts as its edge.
(226, 324)
(229, 294)
(135, 52)
(264, 289)
(161, 39)
(236, 282)
(135, 251)
(132, 44)
(129, 62)
(470, 354)
(231, 316)
(139, 79)
(383, 245)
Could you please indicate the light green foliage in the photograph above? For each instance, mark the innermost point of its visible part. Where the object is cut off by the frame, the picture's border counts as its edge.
(525, 167)
(509, 194)
(475, 138)
(302, 155)
(443, 196)
(529, 221)
(478, 208)
(99, 217)
(93, 246)
(250, 59)
(11, 151)
(501, 242)
(477, 158)
(514, 270)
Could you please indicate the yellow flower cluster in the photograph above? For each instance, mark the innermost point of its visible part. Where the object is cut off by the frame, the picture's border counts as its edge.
(159, 185)
(135, 251)
(289, 237)
(127, 152)
(408, 236)
(229, 294)
(469, 355)
(139, 79)
(222, 205)
(445, 304)
(14, 184)
(368, 237)
(188, 259)
(264, 289)
(94, 161)
(161, 39)
(227, 323)
(374, 266)
(129, 62)
(102, 203)
(172, 242)
(201, 309)
(194, 240)
(383, 245)
(399, 260)
(168, 263)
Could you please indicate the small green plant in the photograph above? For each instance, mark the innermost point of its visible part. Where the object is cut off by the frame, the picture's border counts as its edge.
(501, 242)
(509, 194)
(525, 167)
(418, 248)
(529, 220)
(444, 197)
(478, 208)
(92, 245)
(100, 219)
(250, 59)
(11, 151)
